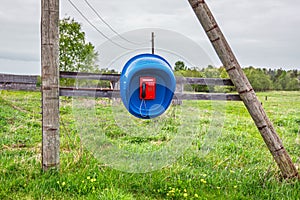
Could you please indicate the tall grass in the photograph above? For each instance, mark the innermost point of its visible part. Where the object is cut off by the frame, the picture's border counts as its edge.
(231, 163)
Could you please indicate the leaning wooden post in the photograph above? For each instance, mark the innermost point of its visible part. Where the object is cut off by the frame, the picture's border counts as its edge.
(244, 88)
(50, 83)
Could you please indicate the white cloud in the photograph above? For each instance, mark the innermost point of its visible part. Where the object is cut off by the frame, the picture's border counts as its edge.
(263, 33)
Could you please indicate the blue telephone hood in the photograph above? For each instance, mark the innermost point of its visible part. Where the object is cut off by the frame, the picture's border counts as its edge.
(147, 65)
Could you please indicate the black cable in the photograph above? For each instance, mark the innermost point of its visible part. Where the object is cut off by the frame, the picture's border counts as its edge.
(76, 8)
(109, 26)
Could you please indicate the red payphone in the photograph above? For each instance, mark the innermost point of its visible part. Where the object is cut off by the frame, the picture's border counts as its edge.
(147, 88)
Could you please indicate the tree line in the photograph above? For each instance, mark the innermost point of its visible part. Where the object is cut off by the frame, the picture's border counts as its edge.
(260, 79)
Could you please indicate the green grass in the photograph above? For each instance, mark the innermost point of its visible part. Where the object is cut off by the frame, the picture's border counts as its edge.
(237, 166)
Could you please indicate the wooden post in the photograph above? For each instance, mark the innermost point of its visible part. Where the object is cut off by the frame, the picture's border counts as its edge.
(50, 83)
(152, 41)
(244, 88)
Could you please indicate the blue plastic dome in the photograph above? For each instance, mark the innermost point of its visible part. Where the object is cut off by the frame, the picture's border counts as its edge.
(147, 65)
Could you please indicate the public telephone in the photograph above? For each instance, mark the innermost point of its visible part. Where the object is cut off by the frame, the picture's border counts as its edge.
(147, 88)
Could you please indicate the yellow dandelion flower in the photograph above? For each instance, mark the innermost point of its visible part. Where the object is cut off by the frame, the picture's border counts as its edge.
(88, 177)
(184, 190)
(63, 183)
(185, 195)
(196, 195)
(203, 181)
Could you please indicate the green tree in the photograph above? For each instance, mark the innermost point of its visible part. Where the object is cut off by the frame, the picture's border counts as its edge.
(180, 66)
(293, 84)
(259, 79)
(211, 72)
(223, 73)
(75, 53)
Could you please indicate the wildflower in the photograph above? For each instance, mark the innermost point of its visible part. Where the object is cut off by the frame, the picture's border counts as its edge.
(235, 186)
(63, 183)
(57, 182)
(93, 180)
(218, 188)
(203, 181)
(185, 195)
(172, 190)
(88, 178)
(196, 195)
(184, 190)
(82, 181)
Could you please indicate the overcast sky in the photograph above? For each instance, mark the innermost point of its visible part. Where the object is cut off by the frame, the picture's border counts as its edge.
(262, 33)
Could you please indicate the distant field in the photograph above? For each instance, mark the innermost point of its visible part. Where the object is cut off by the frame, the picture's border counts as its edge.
(225, 157)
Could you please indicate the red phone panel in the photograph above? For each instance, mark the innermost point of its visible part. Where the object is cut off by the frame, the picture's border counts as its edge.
(147, 88)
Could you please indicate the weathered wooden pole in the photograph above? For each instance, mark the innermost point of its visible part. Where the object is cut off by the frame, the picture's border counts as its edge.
(50, 83)
(152, 43)
(244, 88)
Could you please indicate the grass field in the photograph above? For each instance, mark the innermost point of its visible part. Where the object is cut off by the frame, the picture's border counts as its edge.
(237, 166)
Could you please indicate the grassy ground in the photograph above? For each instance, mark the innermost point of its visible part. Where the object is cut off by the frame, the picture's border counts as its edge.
(237, 165)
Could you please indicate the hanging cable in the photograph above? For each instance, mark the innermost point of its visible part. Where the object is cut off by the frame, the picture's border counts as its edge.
(115, 43)
(110, 27)
(143, 103)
